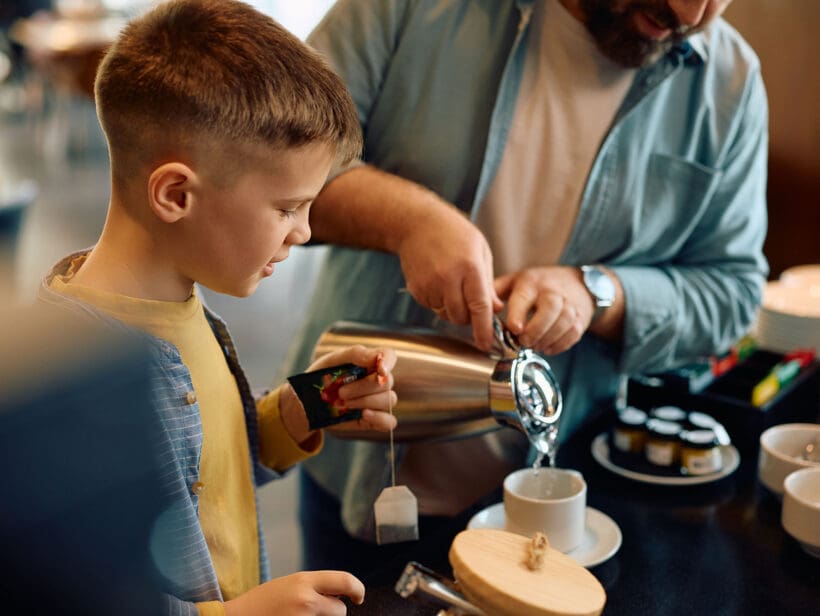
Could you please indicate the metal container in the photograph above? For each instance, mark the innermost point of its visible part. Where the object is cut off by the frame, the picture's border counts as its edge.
(449, 389)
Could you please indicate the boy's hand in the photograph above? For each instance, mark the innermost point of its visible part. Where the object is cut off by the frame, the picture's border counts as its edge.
(307, 593)
(373, 394)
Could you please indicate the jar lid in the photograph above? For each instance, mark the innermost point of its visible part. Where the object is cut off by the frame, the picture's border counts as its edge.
(632, 417)
(699, 439)
(667, 430)
(669, 413)
(701, 420)
(489, 566)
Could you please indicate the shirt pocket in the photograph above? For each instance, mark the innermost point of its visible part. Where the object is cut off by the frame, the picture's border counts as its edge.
(676, 194)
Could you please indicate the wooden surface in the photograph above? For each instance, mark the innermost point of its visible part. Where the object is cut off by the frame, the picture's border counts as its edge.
(490, 566)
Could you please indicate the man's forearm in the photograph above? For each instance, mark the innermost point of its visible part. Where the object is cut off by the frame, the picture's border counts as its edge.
(368, 208)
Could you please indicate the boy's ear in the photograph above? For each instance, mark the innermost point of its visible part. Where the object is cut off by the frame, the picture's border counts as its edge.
(170, 191)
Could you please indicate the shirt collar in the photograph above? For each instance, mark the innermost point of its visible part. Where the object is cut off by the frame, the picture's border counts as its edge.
(694, 49)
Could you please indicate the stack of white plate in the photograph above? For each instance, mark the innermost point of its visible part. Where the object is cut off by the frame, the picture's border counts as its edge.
(802, 276)
(790, 315)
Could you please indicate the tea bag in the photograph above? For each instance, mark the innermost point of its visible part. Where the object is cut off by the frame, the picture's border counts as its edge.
(396, 508)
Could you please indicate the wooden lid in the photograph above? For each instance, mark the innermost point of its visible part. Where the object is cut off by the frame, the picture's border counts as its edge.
(490, 565)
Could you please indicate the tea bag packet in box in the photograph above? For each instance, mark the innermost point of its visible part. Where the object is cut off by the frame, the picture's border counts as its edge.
(318, 391)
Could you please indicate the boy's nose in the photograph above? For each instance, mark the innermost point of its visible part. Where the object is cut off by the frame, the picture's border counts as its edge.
(689, 12)
(301, 232)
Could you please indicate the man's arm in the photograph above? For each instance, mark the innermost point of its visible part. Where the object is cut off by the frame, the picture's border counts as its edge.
(445, 259)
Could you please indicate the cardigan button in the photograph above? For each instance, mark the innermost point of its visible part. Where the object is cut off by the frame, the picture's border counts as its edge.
(197, 487)
(190, 397)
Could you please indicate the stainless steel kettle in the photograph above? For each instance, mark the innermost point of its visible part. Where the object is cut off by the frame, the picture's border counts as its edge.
(449, 389)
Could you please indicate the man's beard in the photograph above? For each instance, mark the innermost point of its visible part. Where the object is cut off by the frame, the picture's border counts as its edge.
(619, 40)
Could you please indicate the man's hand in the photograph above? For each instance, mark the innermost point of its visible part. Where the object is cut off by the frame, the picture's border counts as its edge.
(445, 259)
(308, 593)
(449, 268)
(549, 308)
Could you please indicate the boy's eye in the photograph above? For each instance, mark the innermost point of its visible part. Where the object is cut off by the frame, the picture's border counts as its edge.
(287, 213)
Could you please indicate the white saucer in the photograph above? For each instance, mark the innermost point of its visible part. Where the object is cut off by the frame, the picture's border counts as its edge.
(602, 537)
(600, 451)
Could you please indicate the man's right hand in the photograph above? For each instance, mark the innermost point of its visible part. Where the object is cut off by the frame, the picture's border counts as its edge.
(448, 267)
(445, 259)
(307, 593)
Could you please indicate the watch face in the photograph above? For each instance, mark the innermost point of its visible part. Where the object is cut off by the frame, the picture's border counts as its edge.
(600, 285)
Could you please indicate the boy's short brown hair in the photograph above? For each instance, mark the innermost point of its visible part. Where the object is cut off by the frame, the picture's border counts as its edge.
(217, 70)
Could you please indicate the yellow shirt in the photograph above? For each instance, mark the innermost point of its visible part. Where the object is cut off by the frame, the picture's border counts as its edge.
(227, 505)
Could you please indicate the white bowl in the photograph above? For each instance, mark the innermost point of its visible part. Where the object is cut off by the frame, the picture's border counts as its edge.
(780, 450)
(801, 508)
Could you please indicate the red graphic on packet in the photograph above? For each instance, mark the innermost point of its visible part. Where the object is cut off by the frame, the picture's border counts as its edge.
(329, 391)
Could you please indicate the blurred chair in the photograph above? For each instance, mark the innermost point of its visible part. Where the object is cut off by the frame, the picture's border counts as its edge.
(15, 200)
(63, 49)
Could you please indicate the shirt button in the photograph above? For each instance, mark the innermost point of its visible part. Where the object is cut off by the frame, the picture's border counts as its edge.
(190, 397)
(197, 487)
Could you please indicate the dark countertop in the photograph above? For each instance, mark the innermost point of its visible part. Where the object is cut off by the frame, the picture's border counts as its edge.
(714, 548)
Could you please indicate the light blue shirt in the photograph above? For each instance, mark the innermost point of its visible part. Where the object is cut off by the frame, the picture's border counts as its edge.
(674, 204)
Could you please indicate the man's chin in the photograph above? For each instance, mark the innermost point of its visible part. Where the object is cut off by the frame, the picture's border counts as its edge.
(635, 54)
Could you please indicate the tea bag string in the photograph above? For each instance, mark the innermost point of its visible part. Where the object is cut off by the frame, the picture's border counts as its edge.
(392, 446)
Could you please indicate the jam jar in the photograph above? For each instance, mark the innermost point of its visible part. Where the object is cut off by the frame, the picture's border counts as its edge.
(668, 413)
(662, 442)
(629, 431)
(700, 452)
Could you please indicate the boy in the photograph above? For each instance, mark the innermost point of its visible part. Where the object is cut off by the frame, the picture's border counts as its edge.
(222, 128)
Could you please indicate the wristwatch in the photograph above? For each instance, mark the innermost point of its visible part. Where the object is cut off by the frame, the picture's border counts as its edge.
(600, 287)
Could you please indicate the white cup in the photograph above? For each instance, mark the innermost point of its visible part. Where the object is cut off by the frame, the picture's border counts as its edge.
(552, 501)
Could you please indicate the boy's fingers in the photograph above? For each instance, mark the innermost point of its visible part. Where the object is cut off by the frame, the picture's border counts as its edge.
(388, 361)
(372, 383)
(339, 583)
(379, 421)
(328, 605)
(377, 400)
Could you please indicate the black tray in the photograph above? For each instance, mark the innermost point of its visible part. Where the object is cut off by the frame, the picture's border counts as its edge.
(728, 398)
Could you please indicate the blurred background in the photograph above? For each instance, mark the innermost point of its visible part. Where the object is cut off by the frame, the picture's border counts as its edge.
(54, 172)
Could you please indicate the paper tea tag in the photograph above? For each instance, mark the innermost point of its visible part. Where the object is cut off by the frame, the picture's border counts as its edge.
(397, 516)
(318, 392)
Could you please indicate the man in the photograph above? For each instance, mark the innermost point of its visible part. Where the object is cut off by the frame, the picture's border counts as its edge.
(595, 168)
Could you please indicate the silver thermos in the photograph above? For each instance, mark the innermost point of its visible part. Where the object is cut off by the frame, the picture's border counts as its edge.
(449, 389)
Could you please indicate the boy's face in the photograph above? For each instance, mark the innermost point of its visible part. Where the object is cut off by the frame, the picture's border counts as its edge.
(237, 231)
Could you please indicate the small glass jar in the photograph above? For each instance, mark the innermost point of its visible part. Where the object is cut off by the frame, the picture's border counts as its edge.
(700, 452)
(629, 432)
(668, 413)
(700, 421)
(662, 442)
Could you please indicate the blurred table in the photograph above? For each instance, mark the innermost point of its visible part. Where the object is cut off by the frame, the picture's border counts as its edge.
(67, 50)
(713, 548)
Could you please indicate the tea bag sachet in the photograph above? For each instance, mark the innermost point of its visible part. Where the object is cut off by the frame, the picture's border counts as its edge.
(396, 508)
(318, 391)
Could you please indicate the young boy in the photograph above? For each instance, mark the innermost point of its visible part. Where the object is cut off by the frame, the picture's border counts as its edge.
(222, 128)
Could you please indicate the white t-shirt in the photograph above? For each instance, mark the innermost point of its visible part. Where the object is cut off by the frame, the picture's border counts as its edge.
(570, 93)
(569, 96)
